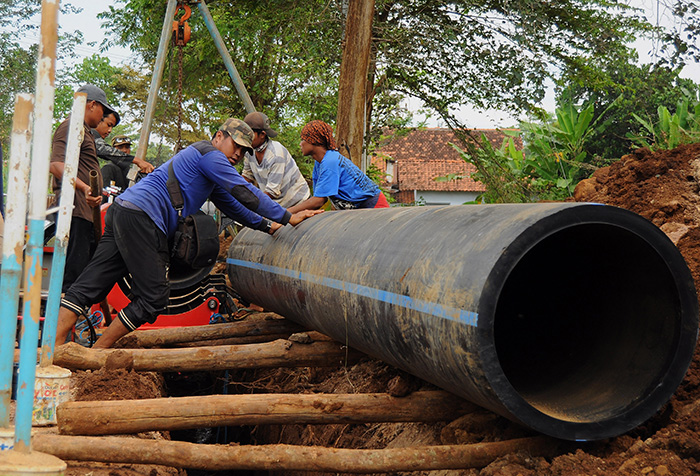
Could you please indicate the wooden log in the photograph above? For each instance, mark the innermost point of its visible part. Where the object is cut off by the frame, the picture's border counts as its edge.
(135, 416)
(234, 340)
(313, 336)
(280, 353)
(178, 454)
(260, 325)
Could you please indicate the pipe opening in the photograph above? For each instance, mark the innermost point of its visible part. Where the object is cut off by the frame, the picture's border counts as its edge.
(587, 323)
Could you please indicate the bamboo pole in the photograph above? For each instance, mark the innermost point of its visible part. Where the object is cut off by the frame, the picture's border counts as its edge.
(280, 353)
(286, 457)
(183, 413)
(176, 335)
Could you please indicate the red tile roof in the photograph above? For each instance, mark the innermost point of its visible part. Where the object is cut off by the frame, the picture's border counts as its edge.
(419, 174)
(423, 154)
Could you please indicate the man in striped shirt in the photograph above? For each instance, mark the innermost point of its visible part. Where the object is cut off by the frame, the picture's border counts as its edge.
(271, 165)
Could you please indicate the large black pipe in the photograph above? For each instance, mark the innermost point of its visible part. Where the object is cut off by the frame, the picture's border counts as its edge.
(577, 320)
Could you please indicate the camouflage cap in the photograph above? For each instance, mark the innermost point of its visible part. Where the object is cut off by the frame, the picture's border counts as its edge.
(121, 140)
(240, 132)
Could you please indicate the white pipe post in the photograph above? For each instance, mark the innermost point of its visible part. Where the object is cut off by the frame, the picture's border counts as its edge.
(76, 132)
(13, 245)
(41, 147)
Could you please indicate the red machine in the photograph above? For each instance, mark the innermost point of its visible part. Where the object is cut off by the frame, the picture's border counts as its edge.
(197, 297)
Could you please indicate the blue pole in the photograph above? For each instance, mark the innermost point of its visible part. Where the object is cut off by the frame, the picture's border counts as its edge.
(41, 150)
(223, 51)
(76, 131)
(2, 188)
(17, 185)
(30, 332)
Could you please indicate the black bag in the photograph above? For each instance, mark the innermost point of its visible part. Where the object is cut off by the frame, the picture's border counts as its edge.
(196, 242)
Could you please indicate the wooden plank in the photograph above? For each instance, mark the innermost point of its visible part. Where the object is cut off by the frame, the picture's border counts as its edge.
(178, 454)
(279, 353)
(135, 416)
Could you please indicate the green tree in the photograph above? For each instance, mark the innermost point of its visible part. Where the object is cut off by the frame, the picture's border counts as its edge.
(448, 54)
(678, 43)
(287, 55)
(620, 90)
(671, 130)
(17, 74)
(95, 70)
(492, 53)
(18, 59)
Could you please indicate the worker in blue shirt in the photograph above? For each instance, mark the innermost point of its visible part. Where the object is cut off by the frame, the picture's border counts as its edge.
(142, 221)
(335, 177)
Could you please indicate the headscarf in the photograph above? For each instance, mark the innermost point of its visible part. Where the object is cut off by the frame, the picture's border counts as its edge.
(319, 133)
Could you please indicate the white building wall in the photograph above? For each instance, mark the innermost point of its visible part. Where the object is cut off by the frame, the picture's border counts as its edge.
(430, 197)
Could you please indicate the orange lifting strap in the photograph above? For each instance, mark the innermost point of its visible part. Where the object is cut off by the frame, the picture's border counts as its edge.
(181, 30)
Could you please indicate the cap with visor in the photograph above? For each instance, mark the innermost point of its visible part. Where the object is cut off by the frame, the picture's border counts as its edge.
(259, 121)
(121, 140)
(240, 132)
(97, 94)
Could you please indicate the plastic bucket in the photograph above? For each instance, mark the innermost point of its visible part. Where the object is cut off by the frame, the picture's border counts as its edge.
(7, 438)
(51, 388)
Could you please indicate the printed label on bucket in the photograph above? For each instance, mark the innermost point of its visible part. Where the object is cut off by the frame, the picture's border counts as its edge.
(7, 439)
(48, 394)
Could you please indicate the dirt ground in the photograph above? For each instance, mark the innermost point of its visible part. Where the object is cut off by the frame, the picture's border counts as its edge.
(662, 187)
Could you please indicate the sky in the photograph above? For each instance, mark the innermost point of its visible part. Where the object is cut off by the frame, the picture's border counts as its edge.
(93, 36)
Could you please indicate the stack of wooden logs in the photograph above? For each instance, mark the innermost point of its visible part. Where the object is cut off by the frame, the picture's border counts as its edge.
(265, 341)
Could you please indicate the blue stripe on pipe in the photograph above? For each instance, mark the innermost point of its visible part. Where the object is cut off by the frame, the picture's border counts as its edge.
(427, 307)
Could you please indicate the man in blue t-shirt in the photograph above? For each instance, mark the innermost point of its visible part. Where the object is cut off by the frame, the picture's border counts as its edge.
(142, 221)
(335, 178)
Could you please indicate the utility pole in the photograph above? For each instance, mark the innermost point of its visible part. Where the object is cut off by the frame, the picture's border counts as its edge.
(352, 103)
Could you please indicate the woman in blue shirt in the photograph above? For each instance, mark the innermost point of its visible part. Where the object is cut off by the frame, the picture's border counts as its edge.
(335, 177)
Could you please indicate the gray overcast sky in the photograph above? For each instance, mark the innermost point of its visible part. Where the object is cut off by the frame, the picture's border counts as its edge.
(87, 23)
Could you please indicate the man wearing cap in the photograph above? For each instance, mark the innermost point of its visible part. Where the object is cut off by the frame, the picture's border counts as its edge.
(123, 143)
(119, 162)
(271, 165)
(142, 221)
(81, 244)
